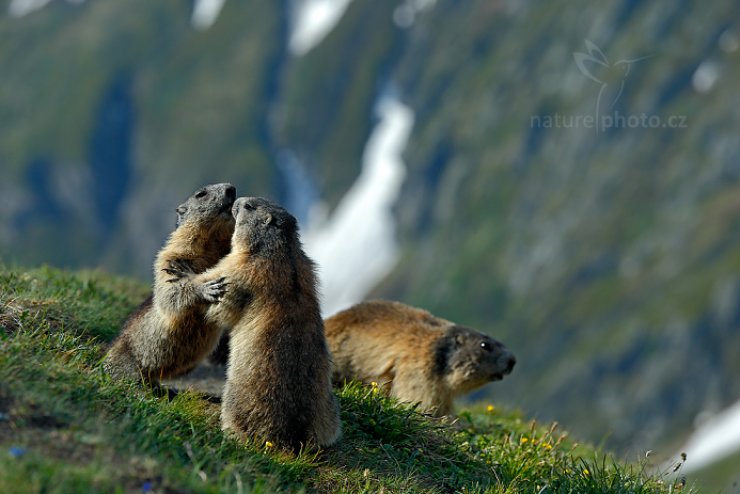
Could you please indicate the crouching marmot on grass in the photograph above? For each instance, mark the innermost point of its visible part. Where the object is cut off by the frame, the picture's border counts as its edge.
(168, 335)
(278, 383)
(413, 355)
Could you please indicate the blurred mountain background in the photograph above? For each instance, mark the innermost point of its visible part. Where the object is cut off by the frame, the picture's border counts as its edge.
(606, 256)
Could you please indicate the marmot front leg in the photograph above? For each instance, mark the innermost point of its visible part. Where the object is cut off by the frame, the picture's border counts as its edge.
(210, 290)
(183, 290)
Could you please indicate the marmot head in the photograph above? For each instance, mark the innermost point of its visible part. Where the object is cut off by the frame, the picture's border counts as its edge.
(469, 359)
(211, 204)
(263, 227)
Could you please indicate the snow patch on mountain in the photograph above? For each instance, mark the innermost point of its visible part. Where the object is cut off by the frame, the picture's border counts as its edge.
(205, 13)
(20, 8)
(356, 247)
(705, 76)
(312, 21)
(714, 440)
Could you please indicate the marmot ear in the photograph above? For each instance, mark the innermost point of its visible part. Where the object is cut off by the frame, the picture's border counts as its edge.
(267, 219)
(459, 339)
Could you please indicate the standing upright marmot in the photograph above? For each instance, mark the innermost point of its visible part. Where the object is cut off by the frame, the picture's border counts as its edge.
(168, 335)
(278, 384)
(413, 355)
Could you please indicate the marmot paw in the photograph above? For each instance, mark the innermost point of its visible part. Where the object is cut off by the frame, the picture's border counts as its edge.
(213, 290)
(178, 269)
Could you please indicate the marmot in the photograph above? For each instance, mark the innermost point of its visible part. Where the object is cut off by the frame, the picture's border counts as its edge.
(278, 382)
(413, 355)
(168, 335)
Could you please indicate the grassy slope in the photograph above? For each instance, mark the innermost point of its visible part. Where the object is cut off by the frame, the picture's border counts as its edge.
(66, 427)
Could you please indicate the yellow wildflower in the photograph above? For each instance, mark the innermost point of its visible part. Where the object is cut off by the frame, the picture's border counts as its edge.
(586, 472)
(523, 440)
(490, 408)
(268, 444)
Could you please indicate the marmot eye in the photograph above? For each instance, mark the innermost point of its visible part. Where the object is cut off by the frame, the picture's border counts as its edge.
(486, 346)
(201, 193)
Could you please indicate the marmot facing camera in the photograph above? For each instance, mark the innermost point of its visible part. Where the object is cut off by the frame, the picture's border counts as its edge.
(278, 384)
(413, 355)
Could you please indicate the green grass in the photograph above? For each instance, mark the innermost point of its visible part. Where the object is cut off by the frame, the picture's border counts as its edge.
(66, 427)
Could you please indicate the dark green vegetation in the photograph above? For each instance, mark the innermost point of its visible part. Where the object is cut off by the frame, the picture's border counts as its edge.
(608, 262)
(66, 427)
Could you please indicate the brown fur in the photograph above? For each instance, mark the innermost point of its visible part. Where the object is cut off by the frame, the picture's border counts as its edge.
(168, 335)
(413, 355)
(278, 386)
